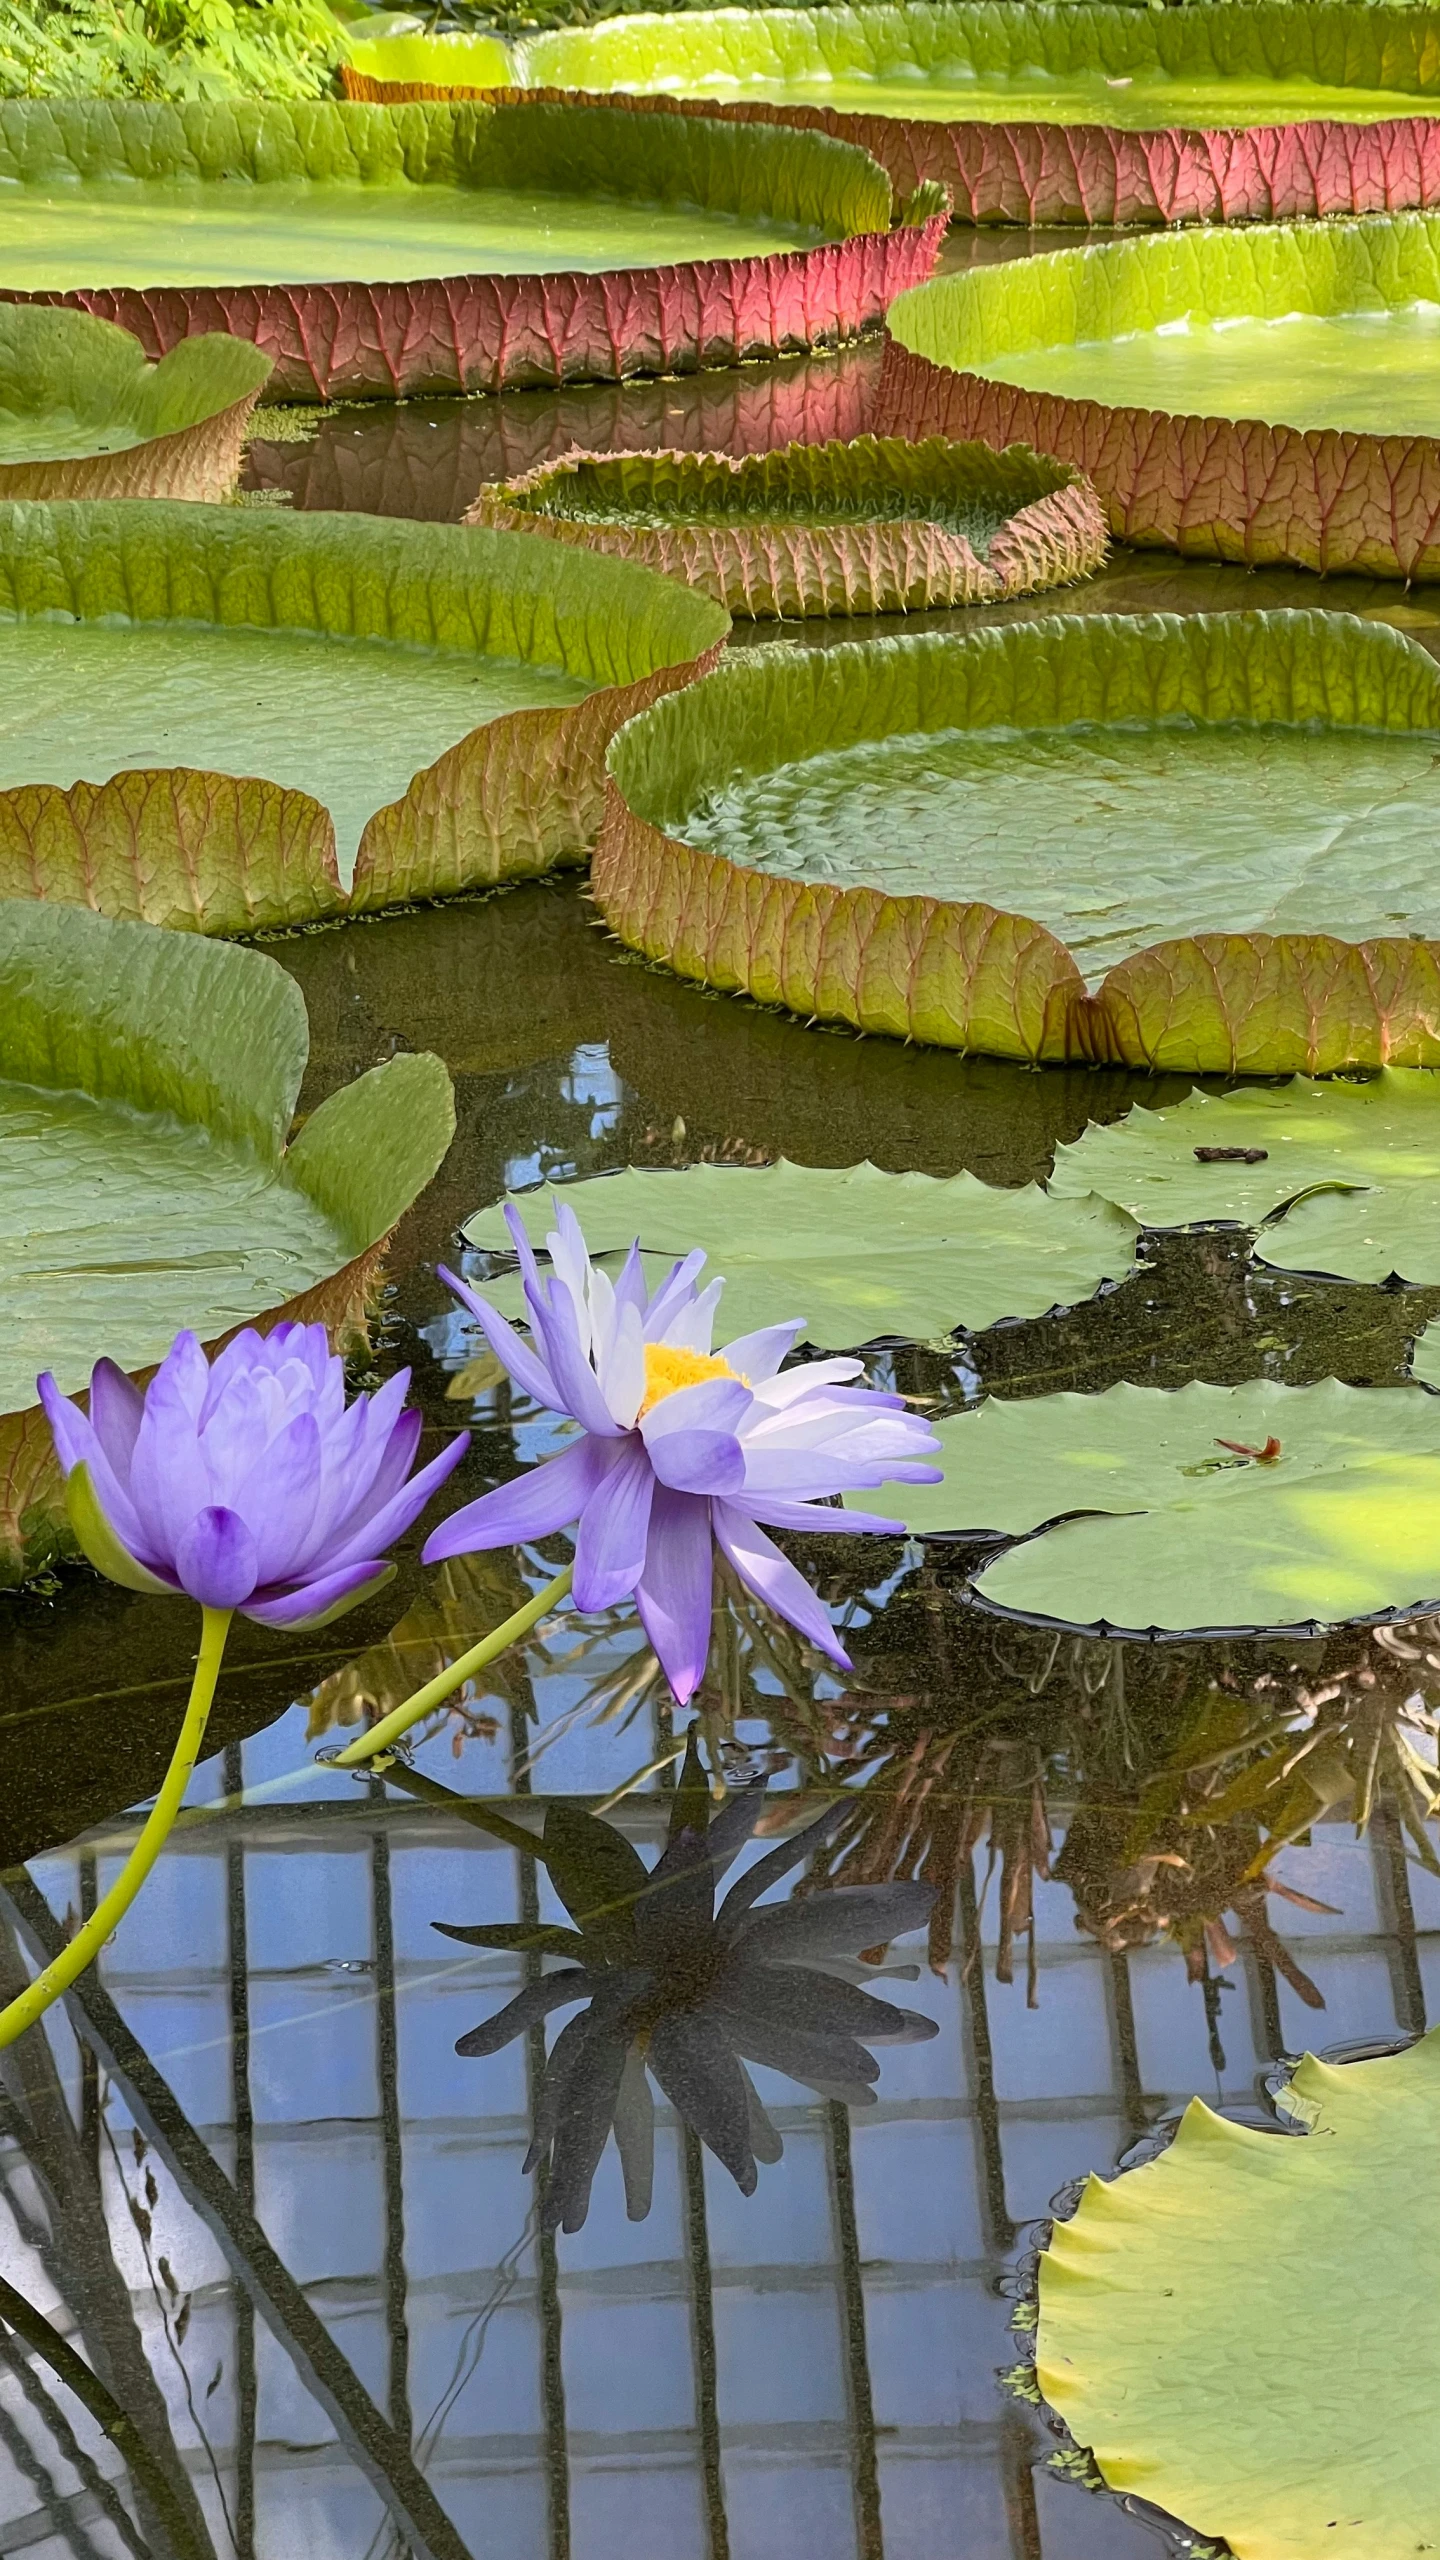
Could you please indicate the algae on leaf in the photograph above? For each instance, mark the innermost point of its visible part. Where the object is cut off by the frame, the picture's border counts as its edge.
(859, 1253)
(147, 1085)
(1245, 2330)
(1197, 1509)
(1345, 1176)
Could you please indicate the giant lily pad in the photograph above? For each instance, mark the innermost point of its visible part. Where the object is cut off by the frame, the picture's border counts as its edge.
(1093, 114)
(1256, 395)
(1245, 2330)
(1355, 1168)
(868, 527)
(857, 1253)
(82, 415)
(257, 687)
(983, 823)
(1198, 1509)
(147, 1086)
(377, 252)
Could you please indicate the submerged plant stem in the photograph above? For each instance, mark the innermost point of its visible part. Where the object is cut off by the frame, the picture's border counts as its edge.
(445, 1683)
(111, 1910)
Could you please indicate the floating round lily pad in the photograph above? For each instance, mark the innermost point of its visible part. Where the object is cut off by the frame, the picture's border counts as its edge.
(1104, 114)
(1244, 2331)
(1197, 1510)
(1355, 1168)
(1256, 395)
(1191, 842)
(292, 716)
(867, 527)
(148, 1081)
(380, 253)
(858, 1253)
(82, 414)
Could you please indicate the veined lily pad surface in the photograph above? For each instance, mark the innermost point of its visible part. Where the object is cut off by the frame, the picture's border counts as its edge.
(1161, 2345)
(147, 1086)
(868, 527)
(1354, 1168)
(1193, 842)
(1198, 1509)
(290, 717)
(859, 1253)
(82, 415)
(378, 252)
(1245, 110)
(1256, 395)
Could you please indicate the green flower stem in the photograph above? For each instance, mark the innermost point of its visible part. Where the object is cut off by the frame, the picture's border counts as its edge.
(436, 1691)
(108, 1914)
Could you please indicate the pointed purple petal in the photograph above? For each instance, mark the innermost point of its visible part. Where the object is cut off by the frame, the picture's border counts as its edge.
(392, 1521)
(757, 1356)
(578, 1385)
(529, 1373)
(116, 1410)
(315, 1604)
(548, 1497)
(215, 1558)
(610, 1542)
(773, 1579)
(674, 1593)
(820, 1515)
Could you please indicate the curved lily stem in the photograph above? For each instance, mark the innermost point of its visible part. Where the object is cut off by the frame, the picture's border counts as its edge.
(436, 1691)
(109, 1912)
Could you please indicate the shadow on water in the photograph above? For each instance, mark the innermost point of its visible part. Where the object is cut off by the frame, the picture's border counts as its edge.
(286, 2225)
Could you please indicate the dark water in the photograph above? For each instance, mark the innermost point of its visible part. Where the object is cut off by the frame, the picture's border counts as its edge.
(279, 2216)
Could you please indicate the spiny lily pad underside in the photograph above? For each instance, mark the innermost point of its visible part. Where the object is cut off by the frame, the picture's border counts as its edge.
(148, 1082)
(1270, 111)
(382, 253)
(1222, 823)
(1254, 395)
(345, 644)
(868, 527)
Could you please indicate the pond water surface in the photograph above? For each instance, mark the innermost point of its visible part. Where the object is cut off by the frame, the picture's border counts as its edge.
(285, 2222)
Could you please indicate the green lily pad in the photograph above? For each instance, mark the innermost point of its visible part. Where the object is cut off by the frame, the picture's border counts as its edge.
(860, 1254)
(1360, 1163)
(940, 63)
(872, 526)
(148, 1082)
(1170, 1531)
(972, 838)
(1245, 2331)
(82, 414)
(277, 706)
(1425, 1358)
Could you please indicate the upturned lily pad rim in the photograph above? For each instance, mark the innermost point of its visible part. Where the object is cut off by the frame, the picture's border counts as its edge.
(107, 370)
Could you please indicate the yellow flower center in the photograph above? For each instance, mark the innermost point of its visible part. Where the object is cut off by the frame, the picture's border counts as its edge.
(666, 1369)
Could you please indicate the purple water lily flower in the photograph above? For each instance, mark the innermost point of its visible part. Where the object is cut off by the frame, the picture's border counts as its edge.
(681, 1993)
(682, 1449)
(248, 1483)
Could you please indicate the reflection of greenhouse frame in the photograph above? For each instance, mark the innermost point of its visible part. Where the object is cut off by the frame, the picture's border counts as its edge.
(470, 333)
(1213, 488)
(972, 976)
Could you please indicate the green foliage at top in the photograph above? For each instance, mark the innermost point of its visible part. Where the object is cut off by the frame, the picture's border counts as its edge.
(166, 48)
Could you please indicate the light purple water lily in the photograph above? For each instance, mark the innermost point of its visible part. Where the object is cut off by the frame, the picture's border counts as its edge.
(248, 1483)
(682, 1449)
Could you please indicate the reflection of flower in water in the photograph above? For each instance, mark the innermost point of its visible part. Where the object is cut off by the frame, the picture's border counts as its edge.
(687, 1995)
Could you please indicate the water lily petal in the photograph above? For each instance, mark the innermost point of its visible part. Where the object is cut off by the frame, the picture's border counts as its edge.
(552, 1991)
(277, 1500)
(773, 1579)
(842, 1918)
(691, 1326)
(514, 1355)
(98, 1539)
(757, 1356)
(696, 2067)
(116, 1409)
(578, 1388)
(676, 1290)
(675, 1589)
(319, 1603)
(534, 1505)
(778, 1514)
(217, 1559)
(691, 1436)
(610, 1541)
(395, 1516)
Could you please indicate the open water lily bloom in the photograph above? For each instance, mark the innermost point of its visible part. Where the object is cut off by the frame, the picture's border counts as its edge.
(248, 1483)
(681, 1448)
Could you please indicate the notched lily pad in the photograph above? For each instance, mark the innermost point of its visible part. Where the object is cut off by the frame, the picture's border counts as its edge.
(1347, 1175)
(874, 526)
(1245, 2330)
(972, 839)
(859, 1253)
(83, 415)
(1199, 1509)
(148, 1082)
